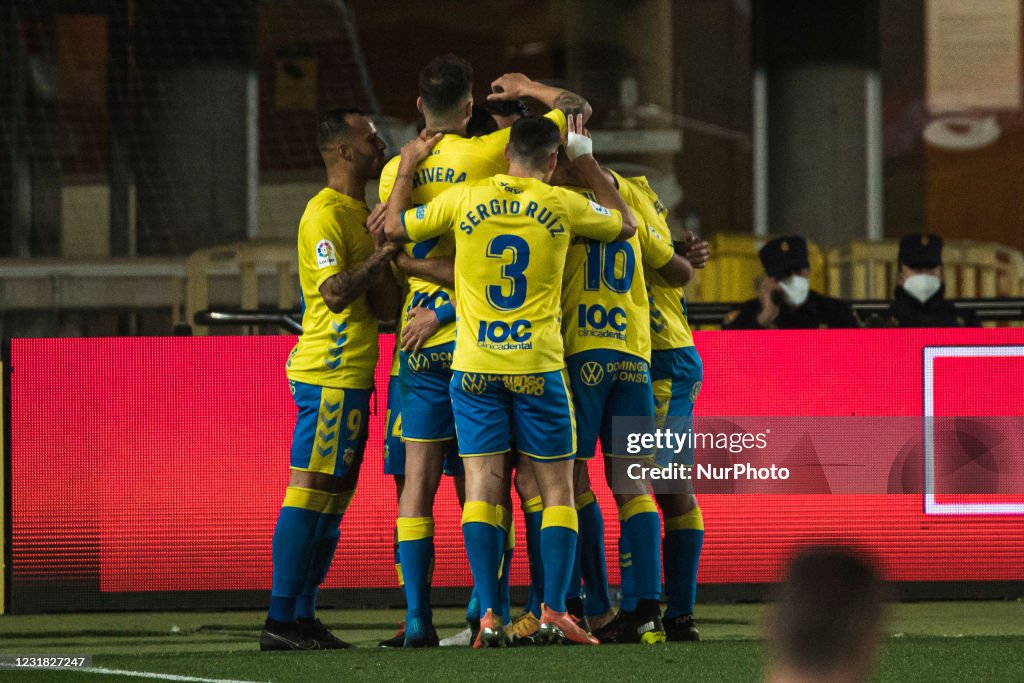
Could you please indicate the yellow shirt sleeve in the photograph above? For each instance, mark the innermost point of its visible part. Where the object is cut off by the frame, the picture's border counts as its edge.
(387, 178)
(589, 219)
(322, 246)
(654, 250)
(434, 218)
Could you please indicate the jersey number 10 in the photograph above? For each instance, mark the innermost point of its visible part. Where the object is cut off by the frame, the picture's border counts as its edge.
(610, 262)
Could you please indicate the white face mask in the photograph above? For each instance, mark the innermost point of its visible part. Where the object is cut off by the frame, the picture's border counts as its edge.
(794, 290)
(922, 286)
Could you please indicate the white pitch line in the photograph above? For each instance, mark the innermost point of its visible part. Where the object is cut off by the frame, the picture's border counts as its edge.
(160, 676)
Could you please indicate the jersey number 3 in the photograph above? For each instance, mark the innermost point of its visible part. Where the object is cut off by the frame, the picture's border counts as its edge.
(511, 273)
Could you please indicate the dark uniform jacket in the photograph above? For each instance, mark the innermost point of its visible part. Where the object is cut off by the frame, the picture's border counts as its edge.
(817, 312)
(906, 311)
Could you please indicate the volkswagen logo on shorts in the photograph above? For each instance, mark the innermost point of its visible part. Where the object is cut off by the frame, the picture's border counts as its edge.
(418, 362)
(591, 373)
(474, 384)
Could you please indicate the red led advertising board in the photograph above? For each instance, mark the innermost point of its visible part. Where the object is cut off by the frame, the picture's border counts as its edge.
(156, 466)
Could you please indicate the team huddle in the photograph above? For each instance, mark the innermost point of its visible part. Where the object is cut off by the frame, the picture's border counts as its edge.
(543, 298)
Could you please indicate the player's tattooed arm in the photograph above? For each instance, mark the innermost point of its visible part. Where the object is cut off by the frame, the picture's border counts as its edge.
(573, 105)
(440, 270)
(515, 86)
(413, 152)
(341, 289)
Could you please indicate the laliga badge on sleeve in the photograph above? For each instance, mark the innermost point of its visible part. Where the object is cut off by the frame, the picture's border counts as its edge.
(599, 209)
(325, 254)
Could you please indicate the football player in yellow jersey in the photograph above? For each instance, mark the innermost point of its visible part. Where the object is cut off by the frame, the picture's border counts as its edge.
(446, 101)
(676, 371)
(606, 331)
(512, 233)
(346, 285)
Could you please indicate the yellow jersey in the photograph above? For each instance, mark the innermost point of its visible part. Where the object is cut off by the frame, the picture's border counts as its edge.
(453, 160)
(604, 292)
(336, 349)
(669, 327)
(511, 238)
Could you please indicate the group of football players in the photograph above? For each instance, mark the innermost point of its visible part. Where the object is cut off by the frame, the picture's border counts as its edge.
(543, 297)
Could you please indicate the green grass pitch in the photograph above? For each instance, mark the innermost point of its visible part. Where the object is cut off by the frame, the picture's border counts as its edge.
(952, 641)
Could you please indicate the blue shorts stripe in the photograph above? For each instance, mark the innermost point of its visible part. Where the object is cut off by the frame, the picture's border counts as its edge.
(330, 429)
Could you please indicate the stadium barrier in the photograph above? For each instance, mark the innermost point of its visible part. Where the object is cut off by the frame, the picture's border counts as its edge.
(734, 268)
(868, 270)
(701, 314)
(248, 261)
(165, 464)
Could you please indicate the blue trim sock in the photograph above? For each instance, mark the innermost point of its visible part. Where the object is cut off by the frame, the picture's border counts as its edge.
(416, 551)
(292, 549)
(558, 549)
(328, 533)
(640, 523)
(627, 575)
(592, 562)
(479, 520)
(533, 514)
(684, 539)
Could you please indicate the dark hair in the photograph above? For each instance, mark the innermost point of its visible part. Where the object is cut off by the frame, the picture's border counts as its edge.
(332, 125)
(831, 603)
(532, 141)
(480, 122)
(445, 83)
(507, 107)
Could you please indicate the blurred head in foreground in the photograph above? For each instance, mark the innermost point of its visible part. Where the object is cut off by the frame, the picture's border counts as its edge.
(827, 623)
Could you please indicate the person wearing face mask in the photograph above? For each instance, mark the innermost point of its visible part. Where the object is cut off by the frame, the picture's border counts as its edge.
(785, 298)
(919, 299)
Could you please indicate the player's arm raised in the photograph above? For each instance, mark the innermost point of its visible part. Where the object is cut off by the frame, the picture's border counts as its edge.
(514, 86)
(580, 150)
(414, 152)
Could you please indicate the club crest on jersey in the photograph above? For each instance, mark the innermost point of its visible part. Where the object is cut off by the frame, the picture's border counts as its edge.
(694, 390)
(325, 254)
(599, 209)
(474, 384)
(591, 373)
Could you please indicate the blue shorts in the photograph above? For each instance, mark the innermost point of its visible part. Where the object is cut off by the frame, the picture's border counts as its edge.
(676, 375)
(394, 447)
(424, 378)
(331, 428)
(607, 384)
(535, 410)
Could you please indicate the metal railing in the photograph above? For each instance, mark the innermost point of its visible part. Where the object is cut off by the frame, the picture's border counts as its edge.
(699, 314)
